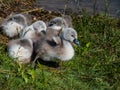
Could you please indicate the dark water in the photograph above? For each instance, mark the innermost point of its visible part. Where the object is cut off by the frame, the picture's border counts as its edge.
(100, 6)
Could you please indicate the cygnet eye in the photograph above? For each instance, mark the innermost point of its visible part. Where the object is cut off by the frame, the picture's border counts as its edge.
(10, 19)
(72, 35)
(52, 23)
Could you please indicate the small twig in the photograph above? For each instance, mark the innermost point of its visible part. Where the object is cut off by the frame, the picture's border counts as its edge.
(36, 9)
(63, 15)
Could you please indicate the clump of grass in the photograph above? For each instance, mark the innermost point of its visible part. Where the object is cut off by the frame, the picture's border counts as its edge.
(100, 50)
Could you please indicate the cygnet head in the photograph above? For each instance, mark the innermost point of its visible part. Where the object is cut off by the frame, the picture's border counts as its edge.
(21, 50)
(18, 18)
(40, 26)
(12, 28)
(13, 25)
(69, 34)
(57, 23)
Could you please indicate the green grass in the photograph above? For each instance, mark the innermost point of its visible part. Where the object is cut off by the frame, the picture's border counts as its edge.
(95, 66)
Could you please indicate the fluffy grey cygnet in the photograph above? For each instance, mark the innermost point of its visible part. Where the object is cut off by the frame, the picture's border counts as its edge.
(35, 31)
(14, 24)
(21, 50)
(59, 48)
(58, 23)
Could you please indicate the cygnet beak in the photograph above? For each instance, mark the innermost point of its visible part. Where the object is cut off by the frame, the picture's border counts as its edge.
(44, 32)
(51, 24)
(1, 28)
(76, 41)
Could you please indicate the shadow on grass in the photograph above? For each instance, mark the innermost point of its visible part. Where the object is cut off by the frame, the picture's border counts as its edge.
(52, 64)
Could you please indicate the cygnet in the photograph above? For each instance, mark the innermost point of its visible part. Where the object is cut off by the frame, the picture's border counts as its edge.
(21, 50)
(14, 24)
(59, 48)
